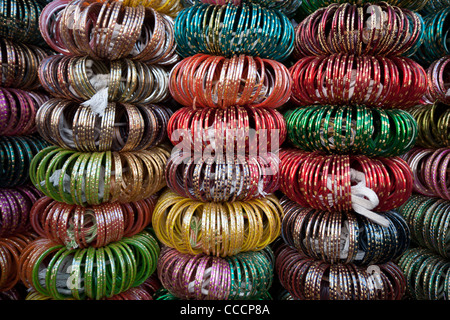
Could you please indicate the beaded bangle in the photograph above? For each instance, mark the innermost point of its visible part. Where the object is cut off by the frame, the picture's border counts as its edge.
(213, 81)
(222, 180)
(221, 30)
(218, 229)
(244, 276)
(430, 169)
(324, 182)
(80, 78)
(236, 129)
(15, 205)
(309, 6)
(19, 64)
(343, 237)
(351, 129)
(375, 81)
(94, 178)
(123, 127)
(435, 39)
(93, 273)
(16, 154)
(18, 110)
(309, 279)
(19, 21)
(428, 220)
(95, 226)
(433, 123)
(372, 29)
(136, 33)
(427, 274)
(10, 250)
(169, 7)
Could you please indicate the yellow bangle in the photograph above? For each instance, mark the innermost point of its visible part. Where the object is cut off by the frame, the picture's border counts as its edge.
(215, 228)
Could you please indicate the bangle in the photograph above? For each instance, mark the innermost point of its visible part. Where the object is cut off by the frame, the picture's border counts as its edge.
(80, 78)
(168, 7)
(143, 34)
(11, 248)
(343, 237)
(213, 81)
(195, 227)
(236, 129)
(427, 274)
(123, 127)
(309, 178)
(197, 29)
(246, 275)
(94, 178)
(222, 180)
(93, 273)
(308, 279)
(348, 79)
(376, 33)
(91, 226)
(351, 129)
(437, 87)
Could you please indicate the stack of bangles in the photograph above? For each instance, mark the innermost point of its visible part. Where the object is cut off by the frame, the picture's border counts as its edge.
(122, 127)
(375, 81)
(61, 273)
(137, 33)
(288, 7)
(434, 125)
(227, 30)
(371, 29)
(217, 82)
(438, 86)
(427, 274)
(169, 7)
(324, 182)
(144, 291)
(430, 168)
(435, 40)
(214, 228)
(428, 219)
(309, 6)
(343, 237)
(11, 248)
(94, 178)
(219, 180)
(80, 78)
(239, 128)
(15, 206)
(18, 110)
(244, 276)
(434, 6)
(96, 226)
(16, 154)
(19, 64)
(310, 279)
(20, 21)
(351, 129)
(12, 294)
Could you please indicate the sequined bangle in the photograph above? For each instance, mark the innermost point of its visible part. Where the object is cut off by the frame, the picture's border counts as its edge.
(195, 227)
(246, 275)
(308, 279)
(197, 30)
(94, 178)
(349, 29)
(94, 273)
(351, 129)
(324, 182)
(123, 127)
(374, 81)
(138, 33)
